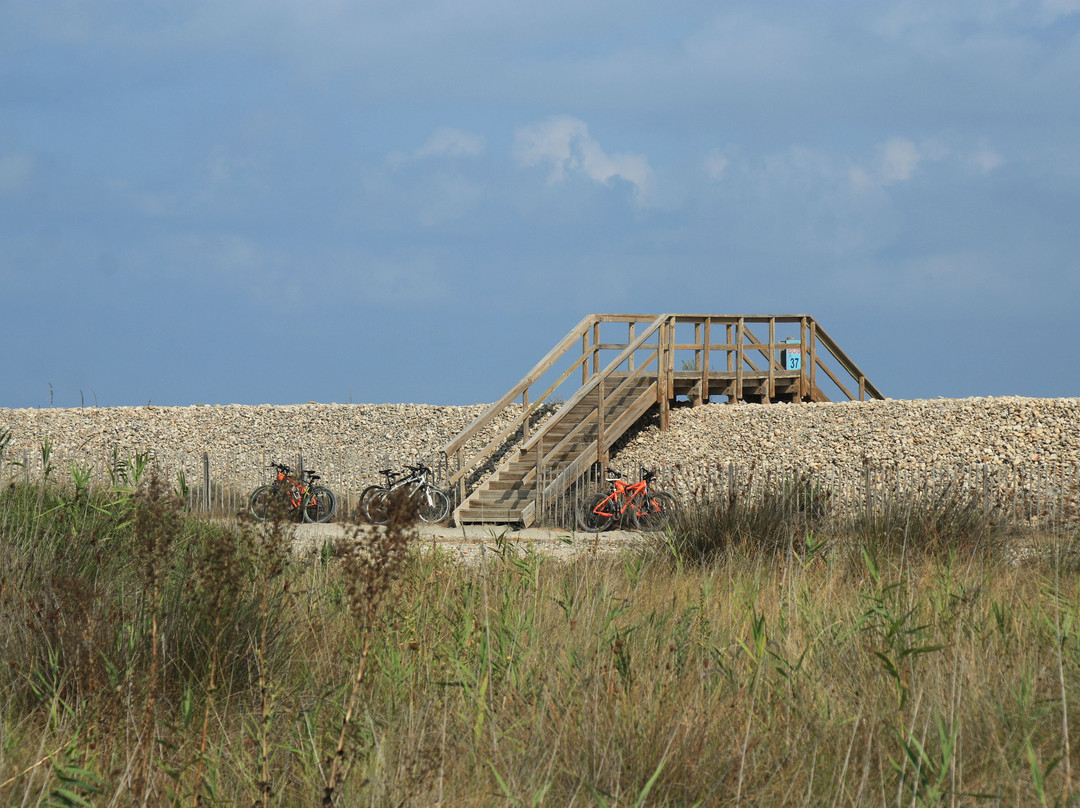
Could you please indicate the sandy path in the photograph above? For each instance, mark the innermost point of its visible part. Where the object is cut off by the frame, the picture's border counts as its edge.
(472, 542)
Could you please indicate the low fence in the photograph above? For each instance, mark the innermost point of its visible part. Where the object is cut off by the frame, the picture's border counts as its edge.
(1033, 497)
(215, 484)
(1036, 496)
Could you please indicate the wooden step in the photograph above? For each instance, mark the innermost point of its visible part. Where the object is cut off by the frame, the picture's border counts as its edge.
(488, 515)
(489, 496)
(510, 491)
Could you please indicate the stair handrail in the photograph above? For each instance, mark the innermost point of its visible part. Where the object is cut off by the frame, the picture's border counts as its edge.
(596, 378)
(845, 362)
(541, 367)
(466, 466)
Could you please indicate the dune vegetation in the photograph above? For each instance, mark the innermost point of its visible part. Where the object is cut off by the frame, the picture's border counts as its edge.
(150, 657)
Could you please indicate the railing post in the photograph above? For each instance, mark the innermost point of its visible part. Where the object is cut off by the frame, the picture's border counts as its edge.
(671, 358)
(807, 359)
(584, 359)
(629, 339)
(538, 485)
(664, 358)
(601, 455)
(697, 346)
(813, 356)
(738, 361)
(524, 412)
(461, 480)
(595, 349)
(705, 363)
(771, 391)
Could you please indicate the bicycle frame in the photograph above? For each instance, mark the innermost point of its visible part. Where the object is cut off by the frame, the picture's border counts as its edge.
(630, 495)
(314, 503)
(295, 490)
(412, 486)
(415, 481)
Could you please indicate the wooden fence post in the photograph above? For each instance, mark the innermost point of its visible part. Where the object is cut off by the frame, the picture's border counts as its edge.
(206, 481)
(869, 496)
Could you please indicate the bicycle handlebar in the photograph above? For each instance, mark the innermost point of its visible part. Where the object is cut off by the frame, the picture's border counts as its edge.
(309, 473)
(648, 475)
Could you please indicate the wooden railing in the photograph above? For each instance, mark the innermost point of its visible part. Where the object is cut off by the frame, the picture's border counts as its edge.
(454, 449)
(597, 388)
(723, 366)
(743, 351)
(587, 331)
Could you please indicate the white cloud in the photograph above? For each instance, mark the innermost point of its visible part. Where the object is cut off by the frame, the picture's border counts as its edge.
(898, 159)
(563, 143)
(715, 165)
(1052, 10)
(986, 160)
(446, 142)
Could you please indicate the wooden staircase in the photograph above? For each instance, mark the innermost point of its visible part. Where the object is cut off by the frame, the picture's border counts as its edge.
(612, 399)
(569, 443)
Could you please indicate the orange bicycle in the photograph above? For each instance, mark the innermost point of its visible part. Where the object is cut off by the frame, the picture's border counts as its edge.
(291, 497)
(637, 504)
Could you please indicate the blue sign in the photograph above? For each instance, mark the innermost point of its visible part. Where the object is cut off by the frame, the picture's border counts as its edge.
(791, 358)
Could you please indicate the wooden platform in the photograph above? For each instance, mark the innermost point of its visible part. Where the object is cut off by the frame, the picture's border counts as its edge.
(753, 363)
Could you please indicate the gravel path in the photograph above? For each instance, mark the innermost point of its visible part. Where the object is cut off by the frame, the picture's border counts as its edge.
(472, 543)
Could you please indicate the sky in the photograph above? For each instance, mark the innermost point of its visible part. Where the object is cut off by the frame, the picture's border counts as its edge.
(275, 201)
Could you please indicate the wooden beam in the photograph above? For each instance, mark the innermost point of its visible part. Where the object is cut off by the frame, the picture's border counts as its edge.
(596, 347)
(772, 362)
(844, 361)
(600, 454)
(804, 385)
(739, 336)
(835, 380)
(538, 370)
(663, 378)
(705, 365)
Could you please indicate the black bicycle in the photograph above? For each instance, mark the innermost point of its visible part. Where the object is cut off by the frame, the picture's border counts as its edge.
(432, 504)
(291, 498)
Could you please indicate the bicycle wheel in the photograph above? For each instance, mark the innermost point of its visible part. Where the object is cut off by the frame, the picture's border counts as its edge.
(362, 501)
(433, 505)
(320, 506)
(265, 503)
(661, 511)
(377, 507)
(588, 517)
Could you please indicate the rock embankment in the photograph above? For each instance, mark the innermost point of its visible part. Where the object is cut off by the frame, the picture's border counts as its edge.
(916, 438)
(346, 443)
(349, 443)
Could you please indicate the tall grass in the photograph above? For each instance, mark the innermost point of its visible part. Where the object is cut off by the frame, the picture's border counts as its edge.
(150, 658)
(797, 514)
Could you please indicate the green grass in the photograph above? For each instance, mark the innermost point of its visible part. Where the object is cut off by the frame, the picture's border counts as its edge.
(147, 657)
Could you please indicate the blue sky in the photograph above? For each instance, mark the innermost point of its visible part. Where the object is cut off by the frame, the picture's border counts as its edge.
(279, 202)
